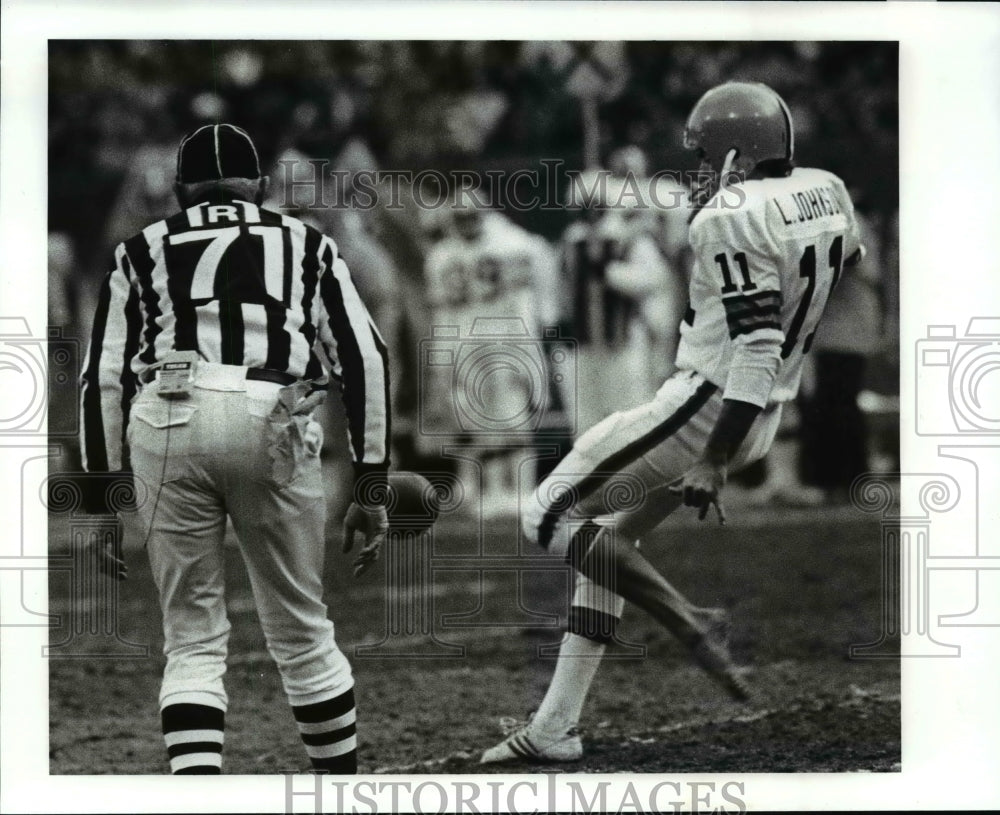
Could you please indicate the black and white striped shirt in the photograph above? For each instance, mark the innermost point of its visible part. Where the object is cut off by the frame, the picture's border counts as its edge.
(600, 315)
(241, 286)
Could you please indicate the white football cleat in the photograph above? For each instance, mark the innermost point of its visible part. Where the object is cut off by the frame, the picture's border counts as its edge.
(523, 743)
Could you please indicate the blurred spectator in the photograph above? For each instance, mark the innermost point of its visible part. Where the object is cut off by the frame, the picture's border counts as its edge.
(628, 161)
(63, 313)
(627, 297)
(62, 280)
(146, 194)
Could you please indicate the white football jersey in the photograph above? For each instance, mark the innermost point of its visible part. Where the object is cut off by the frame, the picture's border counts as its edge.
(767, 254)
(505, 272)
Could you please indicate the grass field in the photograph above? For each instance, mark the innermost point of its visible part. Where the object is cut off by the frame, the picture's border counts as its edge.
(802, 587)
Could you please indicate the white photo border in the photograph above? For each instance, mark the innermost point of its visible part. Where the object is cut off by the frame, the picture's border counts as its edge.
(950, 272)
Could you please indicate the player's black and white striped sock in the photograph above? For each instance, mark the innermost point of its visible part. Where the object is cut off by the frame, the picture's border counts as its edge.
(596, 610)
(328, 732)
(194, 736)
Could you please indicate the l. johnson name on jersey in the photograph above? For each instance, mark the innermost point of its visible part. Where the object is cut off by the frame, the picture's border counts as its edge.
(762, 277)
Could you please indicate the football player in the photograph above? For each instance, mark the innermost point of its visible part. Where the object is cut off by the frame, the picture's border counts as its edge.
(769, 242)
(488, 272)
(604, 312)
(646, 275)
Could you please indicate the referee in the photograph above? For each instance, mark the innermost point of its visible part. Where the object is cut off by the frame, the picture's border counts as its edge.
(215, 335)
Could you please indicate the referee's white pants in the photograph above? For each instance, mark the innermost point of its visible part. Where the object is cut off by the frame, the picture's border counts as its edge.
(623, 466)
(236, 452)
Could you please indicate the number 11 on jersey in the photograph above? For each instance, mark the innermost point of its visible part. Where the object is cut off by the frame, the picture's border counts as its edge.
(807, 269)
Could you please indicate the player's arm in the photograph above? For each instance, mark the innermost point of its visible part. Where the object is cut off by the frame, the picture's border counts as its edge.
(731, 428)
(107, 386)
(354, 347)
(107, 383)
(703, 482)
(351, 340)
(444, 280)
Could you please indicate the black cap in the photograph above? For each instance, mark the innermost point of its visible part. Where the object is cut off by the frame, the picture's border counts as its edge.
(214, 152)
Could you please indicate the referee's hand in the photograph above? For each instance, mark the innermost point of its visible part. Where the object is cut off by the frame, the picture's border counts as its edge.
(373, 523)
(109, 555)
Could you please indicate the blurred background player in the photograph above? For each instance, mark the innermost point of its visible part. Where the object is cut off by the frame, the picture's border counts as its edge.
(624, 272)
(489, 274)
(69, 304)
(764, 271)
(649, 218)
(664, 309)
(604, 315)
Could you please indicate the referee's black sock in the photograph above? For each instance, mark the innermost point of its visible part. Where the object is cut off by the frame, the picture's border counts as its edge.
(194, 735)
(328, 732)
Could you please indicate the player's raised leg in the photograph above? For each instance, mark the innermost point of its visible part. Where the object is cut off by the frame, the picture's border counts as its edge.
(678, 419)
(703, 631)
(613, 570)
(611, 559)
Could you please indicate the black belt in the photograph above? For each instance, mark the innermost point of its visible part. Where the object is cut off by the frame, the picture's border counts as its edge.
(267, 375)
(259, 374)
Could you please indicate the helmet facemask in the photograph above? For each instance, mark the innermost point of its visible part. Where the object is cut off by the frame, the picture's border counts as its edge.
(713, 176)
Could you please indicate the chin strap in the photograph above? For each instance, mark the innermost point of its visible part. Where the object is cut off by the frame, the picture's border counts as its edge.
(704, 191)
(727, 166)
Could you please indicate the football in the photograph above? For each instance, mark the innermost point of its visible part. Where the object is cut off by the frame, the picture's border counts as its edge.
(414, 502)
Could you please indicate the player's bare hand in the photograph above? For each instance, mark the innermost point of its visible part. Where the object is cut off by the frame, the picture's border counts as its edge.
(373, 524)
(701, 488)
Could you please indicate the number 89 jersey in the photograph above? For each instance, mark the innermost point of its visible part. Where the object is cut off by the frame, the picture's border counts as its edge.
(504, 272)
(768, 252)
